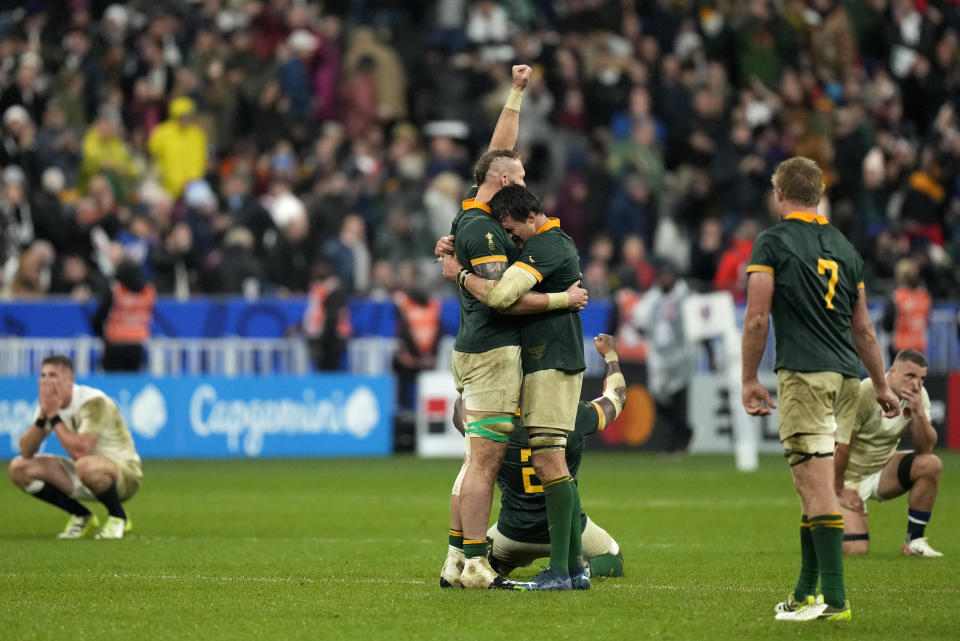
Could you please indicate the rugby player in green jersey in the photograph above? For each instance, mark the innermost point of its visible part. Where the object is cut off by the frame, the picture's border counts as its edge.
(486, 357)
(806, 275)
(521, 534)
(553, 364)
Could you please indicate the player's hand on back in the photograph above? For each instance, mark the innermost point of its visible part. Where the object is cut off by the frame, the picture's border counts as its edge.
(604, 344)
(888, 402)
(756, 399)
(444, 246)
(451, 267)
(577, 296)
(521, 76)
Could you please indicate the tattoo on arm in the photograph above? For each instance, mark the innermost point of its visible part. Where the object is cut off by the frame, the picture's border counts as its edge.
(609, 411)
(490, 271)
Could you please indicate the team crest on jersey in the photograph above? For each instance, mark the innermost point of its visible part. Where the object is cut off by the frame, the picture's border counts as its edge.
(530, 258)
(490, 241)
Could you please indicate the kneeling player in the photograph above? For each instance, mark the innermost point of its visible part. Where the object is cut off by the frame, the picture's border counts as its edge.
(103, 464)
(868, 465)
(521, 533)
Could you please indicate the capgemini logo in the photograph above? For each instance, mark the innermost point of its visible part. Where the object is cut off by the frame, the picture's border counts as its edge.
(148, 412)
(253, 419)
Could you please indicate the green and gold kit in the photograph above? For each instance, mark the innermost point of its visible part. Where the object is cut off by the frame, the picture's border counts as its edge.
(523, 508)
(479, 238)
(817, 277)
(554, 339)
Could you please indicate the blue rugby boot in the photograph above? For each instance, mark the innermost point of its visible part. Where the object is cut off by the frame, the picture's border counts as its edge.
(580, 578)
(548, 579)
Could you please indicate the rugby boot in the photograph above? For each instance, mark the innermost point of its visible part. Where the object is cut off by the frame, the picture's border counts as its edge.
(548, 579)
(79, 527)
(452, 568)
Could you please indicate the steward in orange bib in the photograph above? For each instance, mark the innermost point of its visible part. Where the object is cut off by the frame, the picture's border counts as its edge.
(124, 319)
(907, 314)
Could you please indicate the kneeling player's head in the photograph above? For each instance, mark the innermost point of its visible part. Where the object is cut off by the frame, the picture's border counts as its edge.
(908, 372)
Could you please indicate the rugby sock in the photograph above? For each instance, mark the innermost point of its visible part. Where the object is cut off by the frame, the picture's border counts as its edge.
(575, 556)
(809, 570)
(606, 565)
(559, 506)
(456, 539)
(916, 523)
(827, 533)
(474, 548)
(110, 498)
(52, 495)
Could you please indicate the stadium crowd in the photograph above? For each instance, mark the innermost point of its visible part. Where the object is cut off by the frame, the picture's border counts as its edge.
(248, 147)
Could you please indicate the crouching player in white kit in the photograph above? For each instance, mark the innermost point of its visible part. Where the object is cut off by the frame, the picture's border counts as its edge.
(103, 464)
(521, 534)
(868, 465)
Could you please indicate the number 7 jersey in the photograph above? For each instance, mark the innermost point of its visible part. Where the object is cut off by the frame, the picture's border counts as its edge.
(817, 280)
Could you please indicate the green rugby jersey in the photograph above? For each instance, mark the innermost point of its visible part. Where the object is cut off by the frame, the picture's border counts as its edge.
(817, 277)
(479, 238)
(554, 339)
(523, 508)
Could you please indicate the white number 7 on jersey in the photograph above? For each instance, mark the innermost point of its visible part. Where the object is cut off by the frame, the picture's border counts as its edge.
(822, 266)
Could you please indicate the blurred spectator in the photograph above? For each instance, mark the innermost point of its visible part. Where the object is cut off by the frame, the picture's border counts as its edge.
(124, 317)
(31, 278)
(418, 328)
(326, 320)
(634, 272)
(907, 313)
(670, 357)
(731, 273)
(104, 151)
(179, 147)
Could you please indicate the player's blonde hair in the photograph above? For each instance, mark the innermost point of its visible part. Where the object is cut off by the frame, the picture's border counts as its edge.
(486, 161)
(801, 181)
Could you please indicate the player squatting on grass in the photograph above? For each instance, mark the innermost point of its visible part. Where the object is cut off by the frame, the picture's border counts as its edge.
(809, 278)
(552, 357)
(103, 464)
(521, 534)
(486, 357)
(868, 465)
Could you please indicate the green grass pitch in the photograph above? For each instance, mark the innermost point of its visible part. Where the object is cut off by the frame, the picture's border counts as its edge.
(351, 549)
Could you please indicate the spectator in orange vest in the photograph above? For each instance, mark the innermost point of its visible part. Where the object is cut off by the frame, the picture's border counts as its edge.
(907, 313)
(124, 318)
(418, 328)
(326, 321)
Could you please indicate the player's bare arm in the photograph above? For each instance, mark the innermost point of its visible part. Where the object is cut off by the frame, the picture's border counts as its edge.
(868, 349)
(508, 125)
(612, 401)
(754, 396)
(486, 276)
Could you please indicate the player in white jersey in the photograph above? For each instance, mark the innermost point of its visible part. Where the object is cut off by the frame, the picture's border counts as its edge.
(868, 465)
(103, 464)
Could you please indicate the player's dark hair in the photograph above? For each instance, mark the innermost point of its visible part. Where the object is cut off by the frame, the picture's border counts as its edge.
(514, 202)
(489, 156)
(58, 359)
(911, 356)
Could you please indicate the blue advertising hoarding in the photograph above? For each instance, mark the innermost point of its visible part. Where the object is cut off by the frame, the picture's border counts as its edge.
(218, 417)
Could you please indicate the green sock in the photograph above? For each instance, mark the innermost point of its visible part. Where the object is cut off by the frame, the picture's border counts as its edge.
(809, 570)
(456, 538)
(826, 531)
(606, 565)
(575, 557)
(559, 504)
(472, 548)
